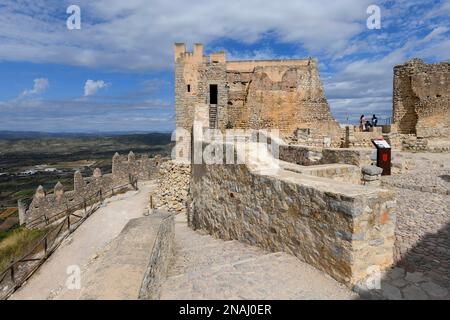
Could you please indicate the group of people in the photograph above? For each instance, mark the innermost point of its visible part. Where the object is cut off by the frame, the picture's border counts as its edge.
(364, 124)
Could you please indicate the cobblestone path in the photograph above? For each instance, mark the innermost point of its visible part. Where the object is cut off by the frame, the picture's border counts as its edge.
(422, 246)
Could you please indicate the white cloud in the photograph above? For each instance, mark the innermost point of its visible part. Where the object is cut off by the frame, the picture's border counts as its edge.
(139, 34)
(91, 87)
(40, 86)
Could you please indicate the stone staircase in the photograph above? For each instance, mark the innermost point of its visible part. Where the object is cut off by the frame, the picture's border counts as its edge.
(213, 116)
(207, 268)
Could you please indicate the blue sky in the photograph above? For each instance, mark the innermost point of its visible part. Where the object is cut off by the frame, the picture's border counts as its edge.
(116, 73)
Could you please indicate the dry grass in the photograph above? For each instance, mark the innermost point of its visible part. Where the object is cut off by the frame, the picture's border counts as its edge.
(15, 243)
(7, 213)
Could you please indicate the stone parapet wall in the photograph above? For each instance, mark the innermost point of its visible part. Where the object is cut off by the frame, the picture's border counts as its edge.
(310, 156)
(340, 228)
(141, 166)
(307, 156)
(338, 172)
(160, 255)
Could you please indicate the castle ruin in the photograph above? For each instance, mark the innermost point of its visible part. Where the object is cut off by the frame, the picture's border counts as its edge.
(281, 94)
(421, 99)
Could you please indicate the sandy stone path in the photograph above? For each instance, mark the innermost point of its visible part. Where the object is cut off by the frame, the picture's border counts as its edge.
(208, 268)
(85, 243)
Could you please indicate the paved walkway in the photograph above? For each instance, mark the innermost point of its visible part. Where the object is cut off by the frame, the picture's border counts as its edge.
(422, 246)
(206, 268)
(85, 243)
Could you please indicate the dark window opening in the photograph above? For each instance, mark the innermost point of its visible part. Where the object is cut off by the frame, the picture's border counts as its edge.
(213, 93)
(188, 88)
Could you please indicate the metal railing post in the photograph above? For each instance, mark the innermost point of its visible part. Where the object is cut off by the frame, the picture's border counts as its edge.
(68, 222)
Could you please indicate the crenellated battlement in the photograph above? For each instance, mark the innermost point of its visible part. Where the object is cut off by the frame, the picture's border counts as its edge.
(124, 168)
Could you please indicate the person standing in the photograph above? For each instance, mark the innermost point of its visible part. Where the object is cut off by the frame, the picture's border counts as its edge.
(374, 120)
(362, 123)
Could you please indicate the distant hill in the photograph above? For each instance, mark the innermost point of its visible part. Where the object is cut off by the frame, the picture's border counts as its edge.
(18, 135)
(19, 149)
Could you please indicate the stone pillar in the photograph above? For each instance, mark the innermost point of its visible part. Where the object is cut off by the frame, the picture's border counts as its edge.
(22, 211)
(78, 181)
(371, 175)
(349, 136)
(59, 192)
(97, 173)
(40, 193)
(115, 163)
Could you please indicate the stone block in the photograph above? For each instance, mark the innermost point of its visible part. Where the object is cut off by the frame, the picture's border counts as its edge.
(372, 170)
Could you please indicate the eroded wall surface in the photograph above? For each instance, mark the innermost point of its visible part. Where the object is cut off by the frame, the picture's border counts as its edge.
(422, 98)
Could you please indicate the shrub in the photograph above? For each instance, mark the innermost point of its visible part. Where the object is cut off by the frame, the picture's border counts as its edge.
(15, 243)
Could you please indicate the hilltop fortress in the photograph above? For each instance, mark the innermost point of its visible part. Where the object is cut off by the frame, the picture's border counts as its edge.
(320, 199)
(282, 94)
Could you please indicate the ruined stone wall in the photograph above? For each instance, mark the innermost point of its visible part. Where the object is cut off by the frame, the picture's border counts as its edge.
(284, 97)
(422, 98)
(340, 228)
(173, 187)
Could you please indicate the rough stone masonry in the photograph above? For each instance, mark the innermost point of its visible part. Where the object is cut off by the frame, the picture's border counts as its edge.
(422, 98)
(338, 227)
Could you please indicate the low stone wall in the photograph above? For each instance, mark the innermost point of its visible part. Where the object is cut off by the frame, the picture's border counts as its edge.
(135, 263)
(160, 256)
(173, 186)
(307, 156)
(340, 228)
(361, 139)
(338, 172)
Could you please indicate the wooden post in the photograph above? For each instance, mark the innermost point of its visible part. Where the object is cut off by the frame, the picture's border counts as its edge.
(12, 275)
